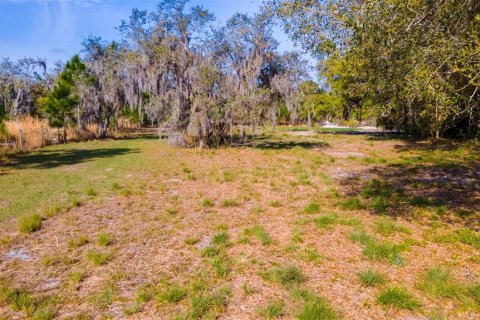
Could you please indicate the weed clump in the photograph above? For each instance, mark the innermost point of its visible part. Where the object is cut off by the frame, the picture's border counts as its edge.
(371, 278)
(312, 207)
(78, 242)
(438, 282)
(29, 223)
(314, 308)
(352, 203)
(377, 250)
(97, 258)
(260, 233)
(285, 276)
(272, 310)
(171, 294)
(398, 298)
(104, 240)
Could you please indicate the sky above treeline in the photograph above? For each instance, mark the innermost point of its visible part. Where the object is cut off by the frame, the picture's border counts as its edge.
(55, 29)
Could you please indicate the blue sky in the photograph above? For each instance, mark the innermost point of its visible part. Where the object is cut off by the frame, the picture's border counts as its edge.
(54, 29)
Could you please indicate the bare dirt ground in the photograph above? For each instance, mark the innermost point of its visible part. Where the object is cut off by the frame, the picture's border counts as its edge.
(308, 193)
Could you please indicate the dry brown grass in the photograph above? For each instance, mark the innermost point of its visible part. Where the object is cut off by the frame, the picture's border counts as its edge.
(31, 133)
(167, 236)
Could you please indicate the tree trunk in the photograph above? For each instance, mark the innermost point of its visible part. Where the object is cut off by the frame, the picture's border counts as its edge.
(274, 119)
(309, 120)
(64, 134)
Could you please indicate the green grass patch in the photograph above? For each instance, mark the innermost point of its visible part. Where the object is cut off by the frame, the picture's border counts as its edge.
(272, 310)
(352, 203)
(312, 207)
(78, 242)
(314, 307)
(397, 298)
(260, 233)
(310, 254)
(438, 282)
(463, 235)
(229, 203)
(287, 276)
(97, 258)
(105, 297)
(371, 278)
(171, 294)
(207, 203)
(29, 223)
(207, 304)
(221, 265)
(104, 240)
(386, 226)
(378, 250)
(221, 238)
(326, 221)
(17, 299)
(37, 179)
(191, 241)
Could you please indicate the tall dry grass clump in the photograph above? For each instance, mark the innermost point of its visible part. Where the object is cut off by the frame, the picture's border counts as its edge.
(28, 133)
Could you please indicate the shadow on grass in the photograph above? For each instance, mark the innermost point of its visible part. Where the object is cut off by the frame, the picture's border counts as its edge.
(48, 159)
(283, 145)
(440, 178)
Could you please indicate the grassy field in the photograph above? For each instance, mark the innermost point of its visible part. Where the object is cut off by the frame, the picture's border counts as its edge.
(291, 226)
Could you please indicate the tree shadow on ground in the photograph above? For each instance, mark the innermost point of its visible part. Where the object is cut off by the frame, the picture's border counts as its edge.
(47, 159)
(445, 184)
(285, 145)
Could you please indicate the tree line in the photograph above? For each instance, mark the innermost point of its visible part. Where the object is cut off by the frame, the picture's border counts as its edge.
(412, 66)
(171, 67)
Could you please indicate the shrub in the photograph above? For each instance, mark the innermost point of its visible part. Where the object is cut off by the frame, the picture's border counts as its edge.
(30, 223)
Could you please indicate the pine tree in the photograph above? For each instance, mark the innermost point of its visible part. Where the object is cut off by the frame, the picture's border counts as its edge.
(62, 100)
